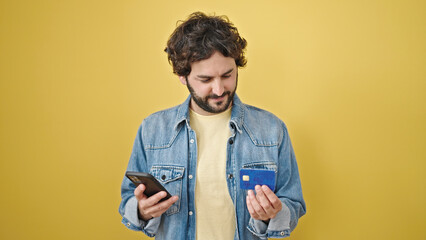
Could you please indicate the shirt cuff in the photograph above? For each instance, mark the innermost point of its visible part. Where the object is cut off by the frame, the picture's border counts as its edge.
(278, 227)
(258, 228)
(132, 221)
(131, 213)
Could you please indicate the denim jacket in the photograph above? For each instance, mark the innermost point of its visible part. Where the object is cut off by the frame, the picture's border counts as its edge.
(166, 147)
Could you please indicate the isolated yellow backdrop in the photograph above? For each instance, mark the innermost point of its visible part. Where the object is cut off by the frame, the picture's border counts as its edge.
(348, 78)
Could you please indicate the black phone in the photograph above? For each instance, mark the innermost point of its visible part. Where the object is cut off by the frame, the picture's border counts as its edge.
(152, 186)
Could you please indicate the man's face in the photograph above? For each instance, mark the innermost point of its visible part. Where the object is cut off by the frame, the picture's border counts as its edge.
(212, 84)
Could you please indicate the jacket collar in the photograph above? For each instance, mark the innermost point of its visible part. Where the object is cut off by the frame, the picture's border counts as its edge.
(237, 114)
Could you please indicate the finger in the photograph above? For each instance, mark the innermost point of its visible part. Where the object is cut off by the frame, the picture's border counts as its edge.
(264, 202)
(260, 195)
(147, 206)
(154, 199)
(250, 208)
(273, 199)
(139, 190)
(256, 206)
(158, 209)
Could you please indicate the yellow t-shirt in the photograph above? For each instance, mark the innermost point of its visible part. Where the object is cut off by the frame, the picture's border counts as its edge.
(215, 214)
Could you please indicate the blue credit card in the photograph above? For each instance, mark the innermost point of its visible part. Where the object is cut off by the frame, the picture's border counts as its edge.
(249, 178)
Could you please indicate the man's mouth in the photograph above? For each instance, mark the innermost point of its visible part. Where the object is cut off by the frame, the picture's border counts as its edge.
(219, 98)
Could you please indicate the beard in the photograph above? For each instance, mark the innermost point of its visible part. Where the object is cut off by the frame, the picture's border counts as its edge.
(218, 107)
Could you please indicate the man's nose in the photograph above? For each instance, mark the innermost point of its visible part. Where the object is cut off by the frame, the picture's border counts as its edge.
(218, 87)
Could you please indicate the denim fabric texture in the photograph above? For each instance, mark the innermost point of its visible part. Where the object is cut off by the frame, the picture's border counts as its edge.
(166, 147)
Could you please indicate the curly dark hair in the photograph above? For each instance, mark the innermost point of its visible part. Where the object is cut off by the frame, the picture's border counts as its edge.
(198, 37)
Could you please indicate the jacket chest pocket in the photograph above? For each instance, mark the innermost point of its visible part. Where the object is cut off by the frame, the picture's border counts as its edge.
(171, 178)
(261, 165)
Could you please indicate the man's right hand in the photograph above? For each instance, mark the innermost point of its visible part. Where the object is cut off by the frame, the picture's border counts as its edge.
(150, 207)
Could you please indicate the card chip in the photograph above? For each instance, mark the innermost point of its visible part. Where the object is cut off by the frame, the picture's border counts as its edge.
(246, 178)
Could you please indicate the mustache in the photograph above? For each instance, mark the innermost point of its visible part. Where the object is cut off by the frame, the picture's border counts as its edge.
(214, 96)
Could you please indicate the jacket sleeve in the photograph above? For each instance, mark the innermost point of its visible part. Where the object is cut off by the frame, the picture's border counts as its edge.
(288, 190)
(128, 208)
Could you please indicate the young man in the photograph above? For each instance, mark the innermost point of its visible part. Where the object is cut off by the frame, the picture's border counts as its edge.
(197, 149)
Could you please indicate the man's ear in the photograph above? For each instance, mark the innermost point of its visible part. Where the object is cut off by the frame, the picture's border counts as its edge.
(182, 79)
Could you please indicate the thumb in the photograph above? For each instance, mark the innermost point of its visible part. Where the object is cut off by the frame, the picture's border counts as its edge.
(139, 190)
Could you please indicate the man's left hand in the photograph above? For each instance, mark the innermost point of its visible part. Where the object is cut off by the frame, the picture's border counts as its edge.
(264, 205)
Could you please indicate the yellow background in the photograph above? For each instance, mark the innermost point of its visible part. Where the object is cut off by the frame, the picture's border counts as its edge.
(348, 78)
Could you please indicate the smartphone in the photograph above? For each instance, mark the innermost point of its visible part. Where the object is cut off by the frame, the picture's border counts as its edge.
(249, 178)
(152, 186)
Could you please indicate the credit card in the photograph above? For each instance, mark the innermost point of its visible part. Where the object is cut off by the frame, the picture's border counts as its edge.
(249, 178)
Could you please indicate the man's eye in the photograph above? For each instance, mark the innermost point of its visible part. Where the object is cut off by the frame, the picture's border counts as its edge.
(227, 76)
(205, 80)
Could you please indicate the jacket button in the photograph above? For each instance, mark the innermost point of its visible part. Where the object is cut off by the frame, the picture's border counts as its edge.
(163, 177)
(230, 176)
(231, 141)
